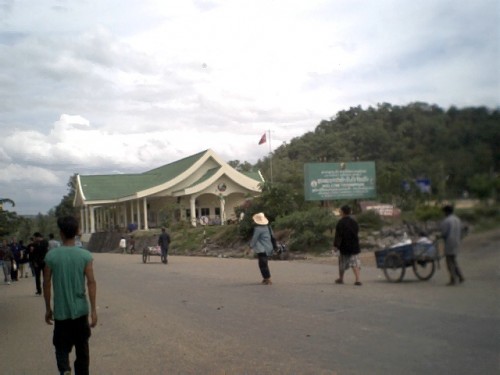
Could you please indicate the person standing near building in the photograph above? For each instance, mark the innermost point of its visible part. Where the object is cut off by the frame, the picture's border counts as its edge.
(132, 244)
(347, 242)
(6, 259)
(451, 230)
(261, 245)
(67, 268)
(164, 243)
(123, 245)
(40, 248)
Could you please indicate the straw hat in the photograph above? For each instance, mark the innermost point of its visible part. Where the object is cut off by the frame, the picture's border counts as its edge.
(260, 219)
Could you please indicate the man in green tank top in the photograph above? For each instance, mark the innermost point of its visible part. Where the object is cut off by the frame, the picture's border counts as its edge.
(66, 269)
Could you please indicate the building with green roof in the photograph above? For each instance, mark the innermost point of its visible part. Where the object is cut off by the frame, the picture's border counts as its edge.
(199, 188)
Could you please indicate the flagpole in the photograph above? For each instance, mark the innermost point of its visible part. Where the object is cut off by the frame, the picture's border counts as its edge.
(270, 156)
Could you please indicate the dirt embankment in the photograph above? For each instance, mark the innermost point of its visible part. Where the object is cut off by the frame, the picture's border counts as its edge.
(108, 242)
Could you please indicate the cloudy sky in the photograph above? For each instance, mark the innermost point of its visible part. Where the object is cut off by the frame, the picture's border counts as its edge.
(115, 86)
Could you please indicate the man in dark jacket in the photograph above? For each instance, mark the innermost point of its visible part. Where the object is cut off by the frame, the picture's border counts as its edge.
(40, 248)
(164, 243)
(347, 242)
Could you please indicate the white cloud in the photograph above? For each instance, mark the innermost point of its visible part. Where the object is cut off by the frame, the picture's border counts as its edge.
(15, 174)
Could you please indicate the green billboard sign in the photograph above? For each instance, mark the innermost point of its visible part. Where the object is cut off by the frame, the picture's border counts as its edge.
(331, 181)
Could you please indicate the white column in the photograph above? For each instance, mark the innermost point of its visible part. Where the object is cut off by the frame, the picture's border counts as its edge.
(99, 219)
(192, 208)
(82, 220)
(124, 215)
(222, 209)
(112, 219)
(92, 219)
(132, 212)
(139, 225)
(87, 218)
(145, 209)
(108, 219)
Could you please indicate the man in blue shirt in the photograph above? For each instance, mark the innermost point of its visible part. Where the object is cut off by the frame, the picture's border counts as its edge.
(68, 267)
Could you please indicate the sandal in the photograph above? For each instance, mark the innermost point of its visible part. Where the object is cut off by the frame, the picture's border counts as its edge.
(358, 283)
(339, 281)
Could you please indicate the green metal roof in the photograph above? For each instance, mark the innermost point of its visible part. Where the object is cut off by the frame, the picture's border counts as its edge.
(205, 177)
(105, 187)
(108, 187)
(174, 169)
(253, 175)
(111, 187)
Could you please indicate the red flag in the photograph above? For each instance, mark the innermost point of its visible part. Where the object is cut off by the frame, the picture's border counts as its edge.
(262, 139)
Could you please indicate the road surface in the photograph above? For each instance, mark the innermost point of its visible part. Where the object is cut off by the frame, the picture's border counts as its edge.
(212, 316)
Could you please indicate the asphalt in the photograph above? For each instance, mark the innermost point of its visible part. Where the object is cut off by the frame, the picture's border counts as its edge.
(212, 316)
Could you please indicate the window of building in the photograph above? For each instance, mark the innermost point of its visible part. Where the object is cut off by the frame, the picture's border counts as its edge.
(205, 212)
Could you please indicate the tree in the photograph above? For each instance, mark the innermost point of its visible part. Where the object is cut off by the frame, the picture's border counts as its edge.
(483, 186)
(9, 223)
(6, 200)
(275, 200)
(241, 167)
(416, 141)
(65, 207)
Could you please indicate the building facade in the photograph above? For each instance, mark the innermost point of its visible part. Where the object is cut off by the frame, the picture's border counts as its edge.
(200, 188)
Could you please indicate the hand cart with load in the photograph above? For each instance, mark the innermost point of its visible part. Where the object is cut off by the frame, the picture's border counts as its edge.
(152, 250)
(422, 257)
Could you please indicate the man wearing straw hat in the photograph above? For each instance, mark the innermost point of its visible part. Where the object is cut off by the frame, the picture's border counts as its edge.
(261, 245)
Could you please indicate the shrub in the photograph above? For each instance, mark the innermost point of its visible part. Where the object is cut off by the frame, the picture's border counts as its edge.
(370, 220)
(309, 228)
(487, 211)
(426, 213)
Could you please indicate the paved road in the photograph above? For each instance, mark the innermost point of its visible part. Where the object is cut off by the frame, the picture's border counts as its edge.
(211, 316)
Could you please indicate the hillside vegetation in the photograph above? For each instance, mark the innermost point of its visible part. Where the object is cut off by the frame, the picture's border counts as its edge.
(457, 149)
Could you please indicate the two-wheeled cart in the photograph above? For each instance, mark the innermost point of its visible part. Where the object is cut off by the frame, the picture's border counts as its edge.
(422, 257)
(148, 251)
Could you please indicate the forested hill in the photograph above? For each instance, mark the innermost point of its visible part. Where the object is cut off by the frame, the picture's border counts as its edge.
(457, 149)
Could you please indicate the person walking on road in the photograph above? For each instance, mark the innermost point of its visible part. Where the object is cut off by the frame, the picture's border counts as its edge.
(123, 245)
(40, 248)
(67, 268)
(164, 243)
(16, 252)
(451, 230)
(261, 245)
(6, 259)
(24, 259)
(132, 244)
(347, 242)
(53, 242)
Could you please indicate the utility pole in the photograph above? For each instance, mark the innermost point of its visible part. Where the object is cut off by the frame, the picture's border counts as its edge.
(270, 157)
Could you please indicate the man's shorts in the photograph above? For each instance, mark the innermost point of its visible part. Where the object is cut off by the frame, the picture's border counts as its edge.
(349, 261)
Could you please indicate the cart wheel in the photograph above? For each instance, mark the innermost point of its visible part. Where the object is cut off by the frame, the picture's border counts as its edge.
(144, 255)
(424, 269)
(394, 268)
